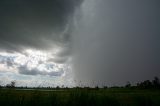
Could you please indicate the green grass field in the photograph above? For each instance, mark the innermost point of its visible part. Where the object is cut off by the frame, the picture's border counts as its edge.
(80, 97)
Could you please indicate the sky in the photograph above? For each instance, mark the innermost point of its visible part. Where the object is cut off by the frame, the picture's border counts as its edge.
(79, 42)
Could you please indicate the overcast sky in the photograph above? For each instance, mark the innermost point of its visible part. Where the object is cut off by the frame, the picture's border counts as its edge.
(65, 42)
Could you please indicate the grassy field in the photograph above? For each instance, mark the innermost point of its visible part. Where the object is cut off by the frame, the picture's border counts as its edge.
(80, 97)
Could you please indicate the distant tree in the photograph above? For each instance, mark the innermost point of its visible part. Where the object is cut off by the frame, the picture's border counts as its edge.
(156, 82)
(96, 87)
(57, 87)
(138, 84)
(147, 84)
(1, 84)
(128, 85)
(105, 87)
(11, 85)
(8, 86)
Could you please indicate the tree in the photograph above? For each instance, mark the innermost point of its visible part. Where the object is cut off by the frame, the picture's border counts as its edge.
(1, 85)
(128, 85)
(147, 84)
(11, 85)
(156, 82)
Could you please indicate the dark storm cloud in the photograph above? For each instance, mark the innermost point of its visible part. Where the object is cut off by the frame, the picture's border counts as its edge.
(118, 41)
(26, 71)
(35, 23)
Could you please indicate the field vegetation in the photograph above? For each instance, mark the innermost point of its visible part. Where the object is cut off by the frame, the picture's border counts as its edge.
(146, 93)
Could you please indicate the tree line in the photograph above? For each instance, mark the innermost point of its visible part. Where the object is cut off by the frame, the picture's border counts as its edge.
(147, 84)
(155, 83)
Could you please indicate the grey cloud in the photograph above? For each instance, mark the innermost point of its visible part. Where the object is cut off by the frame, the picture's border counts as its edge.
(62, 55)
(34, 23)
(24, 70)
(117, 41)
(58, 59)
(64, 52)
(7, 60)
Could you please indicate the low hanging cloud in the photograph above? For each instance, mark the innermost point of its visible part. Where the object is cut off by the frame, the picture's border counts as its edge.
(26, 71)
(7, 60)
(25, 66)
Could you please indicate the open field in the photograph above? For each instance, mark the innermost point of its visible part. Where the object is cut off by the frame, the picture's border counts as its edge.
(80, 97)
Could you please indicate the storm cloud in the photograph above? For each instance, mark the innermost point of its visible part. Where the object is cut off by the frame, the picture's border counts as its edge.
(35, 24)
(117, 41)
(35, 37)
